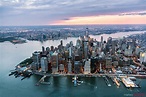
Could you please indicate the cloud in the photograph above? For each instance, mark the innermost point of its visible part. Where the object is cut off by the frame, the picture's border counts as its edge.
(48, 11)
(134, 13)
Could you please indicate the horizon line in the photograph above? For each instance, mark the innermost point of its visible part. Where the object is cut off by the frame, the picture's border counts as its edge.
(71, 25)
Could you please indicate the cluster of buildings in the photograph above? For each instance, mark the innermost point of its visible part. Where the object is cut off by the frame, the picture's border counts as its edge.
(89, 56)
(44, 33)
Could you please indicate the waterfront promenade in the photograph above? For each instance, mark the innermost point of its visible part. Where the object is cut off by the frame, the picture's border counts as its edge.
(88, 75)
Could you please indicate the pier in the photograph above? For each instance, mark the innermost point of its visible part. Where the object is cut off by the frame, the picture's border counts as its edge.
(41, 80)
(107, 81)
(115, 80)
(129, 83)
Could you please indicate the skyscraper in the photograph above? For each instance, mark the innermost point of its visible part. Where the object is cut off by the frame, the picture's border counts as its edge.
(101, 43)
(36, 60)
(54, 62)
(44, 64)
(87, 33)
(87, 67)
(69, 67)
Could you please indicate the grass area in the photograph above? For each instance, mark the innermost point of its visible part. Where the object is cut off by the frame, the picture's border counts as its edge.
(26, 62)
(13, 40)
(7, 39)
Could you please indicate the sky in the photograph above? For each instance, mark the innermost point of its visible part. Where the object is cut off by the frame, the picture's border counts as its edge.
(71, 12)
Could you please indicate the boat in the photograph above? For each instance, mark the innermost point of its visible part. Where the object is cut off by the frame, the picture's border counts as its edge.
(37, 84)
(75, 80)
(79, 84)
(128, 82)
(80, 81)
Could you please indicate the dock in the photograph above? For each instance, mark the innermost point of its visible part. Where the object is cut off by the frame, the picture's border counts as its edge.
(116, 81)
(41, 80)
(107, 81)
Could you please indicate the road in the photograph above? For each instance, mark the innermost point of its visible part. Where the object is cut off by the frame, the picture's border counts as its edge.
(88, 75)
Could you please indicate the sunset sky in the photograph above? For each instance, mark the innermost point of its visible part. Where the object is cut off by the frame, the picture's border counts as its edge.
(72, 12)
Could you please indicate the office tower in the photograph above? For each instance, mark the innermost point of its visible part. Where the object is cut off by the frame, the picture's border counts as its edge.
(61, 43)
(100, 68)
(47, 49)
(77, 67)
(54, 62)
(44, 64)
(43, 49)
(137, 50)
(36, 60)
(70, 52)
(109, 40)
(78, 43)
(142, 57)
(94, 53)
(85, 48)
(128, 52)
(61, 67)
(108, 62)
(87, 33)
(87, 68)
(52, 48)
(94, 62)
(69, 67)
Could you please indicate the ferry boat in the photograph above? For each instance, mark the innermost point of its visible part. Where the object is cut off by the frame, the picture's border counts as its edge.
(128, 82)
(75, 80)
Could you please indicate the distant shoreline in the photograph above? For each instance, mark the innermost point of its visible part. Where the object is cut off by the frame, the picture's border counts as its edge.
(17, 40)
(12, 40)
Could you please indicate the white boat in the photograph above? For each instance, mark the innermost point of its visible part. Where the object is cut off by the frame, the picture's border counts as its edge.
(79, 84)
(109, 85)
(75, 80)
(128, 82)
(80, 81)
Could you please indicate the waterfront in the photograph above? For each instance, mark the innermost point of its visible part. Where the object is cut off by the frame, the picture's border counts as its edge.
(11, 55)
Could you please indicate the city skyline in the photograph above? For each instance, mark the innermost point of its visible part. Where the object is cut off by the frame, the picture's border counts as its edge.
(77, 12)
